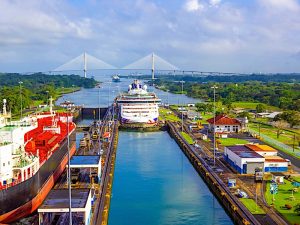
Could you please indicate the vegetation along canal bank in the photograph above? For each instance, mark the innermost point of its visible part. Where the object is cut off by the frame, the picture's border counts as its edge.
(35, 89)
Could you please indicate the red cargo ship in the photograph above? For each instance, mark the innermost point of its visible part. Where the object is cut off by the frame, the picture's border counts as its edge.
(28, 189)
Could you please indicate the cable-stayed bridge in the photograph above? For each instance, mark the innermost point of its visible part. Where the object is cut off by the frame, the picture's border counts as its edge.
(151, 62)
(83, 63)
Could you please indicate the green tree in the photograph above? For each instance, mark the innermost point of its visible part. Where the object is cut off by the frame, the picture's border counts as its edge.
(297, 209)
(260, 108)
(292, 117)
(244, 114)
(279, 125)
(201, 107)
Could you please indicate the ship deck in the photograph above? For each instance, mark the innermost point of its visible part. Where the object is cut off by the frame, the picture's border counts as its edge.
(58, 200)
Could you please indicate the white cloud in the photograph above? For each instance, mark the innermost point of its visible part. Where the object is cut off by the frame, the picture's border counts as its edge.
(34, 21)
(225, 36)
(214, 2)
(290, 5)
(193, 5)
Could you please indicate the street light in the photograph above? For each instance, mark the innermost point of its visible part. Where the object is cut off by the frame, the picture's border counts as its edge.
(214, 87)
(20, 83)
(47, 97)
(99, 138)
(113, 107)
(69, 172)
(182, 105)
(109, 93)
(168, 98)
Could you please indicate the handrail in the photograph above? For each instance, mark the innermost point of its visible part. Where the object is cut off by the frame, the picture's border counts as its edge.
(105, 178)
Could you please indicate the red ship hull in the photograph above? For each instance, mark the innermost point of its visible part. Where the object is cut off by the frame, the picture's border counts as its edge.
(31, 206)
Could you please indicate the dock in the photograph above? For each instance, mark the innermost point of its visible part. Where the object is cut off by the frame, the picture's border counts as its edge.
(91, 179)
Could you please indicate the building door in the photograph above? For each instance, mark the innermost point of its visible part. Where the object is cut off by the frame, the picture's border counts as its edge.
(244, 168)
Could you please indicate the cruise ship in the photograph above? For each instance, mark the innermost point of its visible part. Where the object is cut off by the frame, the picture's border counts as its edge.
(138, 106)
(33, 154)
(115, 78)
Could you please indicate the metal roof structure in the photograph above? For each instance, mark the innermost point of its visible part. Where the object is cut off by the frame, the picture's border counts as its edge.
(58, 200)
(244, 152)
(85, 161)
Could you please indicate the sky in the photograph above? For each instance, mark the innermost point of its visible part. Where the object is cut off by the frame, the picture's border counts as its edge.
(241, 36)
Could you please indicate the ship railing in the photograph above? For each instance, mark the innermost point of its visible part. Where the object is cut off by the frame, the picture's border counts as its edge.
(5, 143)
(10, 184)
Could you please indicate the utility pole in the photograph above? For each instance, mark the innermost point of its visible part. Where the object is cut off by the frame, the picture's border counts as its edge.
(99, 103)
(182, 105)
(69, 172)
(47, 102)
(214, 87)
(20, 82)
(99, 138)
(294, 142)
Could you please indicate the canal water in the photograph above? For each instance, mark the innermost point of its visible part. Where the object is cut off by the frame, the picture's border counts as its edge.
(93, 97)
(154, 183)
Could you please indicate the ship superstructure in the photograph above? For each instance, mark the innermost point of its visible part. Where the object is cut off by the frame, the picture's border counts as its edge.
(115, 78)
(138, 106)
(16, 165)
(33, 153)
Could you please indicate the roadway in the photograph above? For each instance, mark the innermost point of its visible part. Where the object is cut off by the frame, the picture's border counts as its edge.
(224, 172)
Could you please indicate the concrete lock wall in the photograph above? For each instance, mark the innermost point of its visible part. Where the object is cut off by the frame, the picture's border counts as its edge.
(238, 212)
(92, 113)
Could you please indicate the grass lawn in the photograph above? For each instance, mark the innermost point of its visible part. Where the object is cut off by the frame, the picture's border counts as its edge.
(282, 198)
(251, 205)
(174, 107)
(252, 105)
(287, 137)
(36, 103)
(205, 117)
(168, 115)
(231, 141)
(187, 137)
(65, 90)
(180, 92)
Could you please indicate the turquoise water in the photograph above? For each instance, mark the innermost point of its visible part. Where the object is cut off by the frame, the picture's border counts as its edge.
(154, 183)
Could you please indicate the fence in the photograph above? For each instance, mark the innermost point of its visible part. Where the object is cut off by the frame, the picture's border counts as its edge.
(289, 150)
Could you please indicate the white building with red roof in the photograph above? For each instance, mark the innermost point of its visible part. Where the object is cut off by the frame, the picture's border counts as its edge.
(224, 124)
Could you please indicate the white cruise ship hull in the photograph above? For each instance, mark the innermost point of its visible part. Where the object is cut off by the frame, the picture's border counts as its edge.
(148, 120)
(138, 106)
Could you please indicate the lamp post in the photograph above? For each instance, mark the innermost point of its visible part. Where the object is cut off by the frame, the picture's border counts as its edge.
(47, 97)
(168, 98)
(113, 107)
(108, 93)
(99, 104)
(182, 105)
(69, 172)
(214, 87)
(20, 83)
